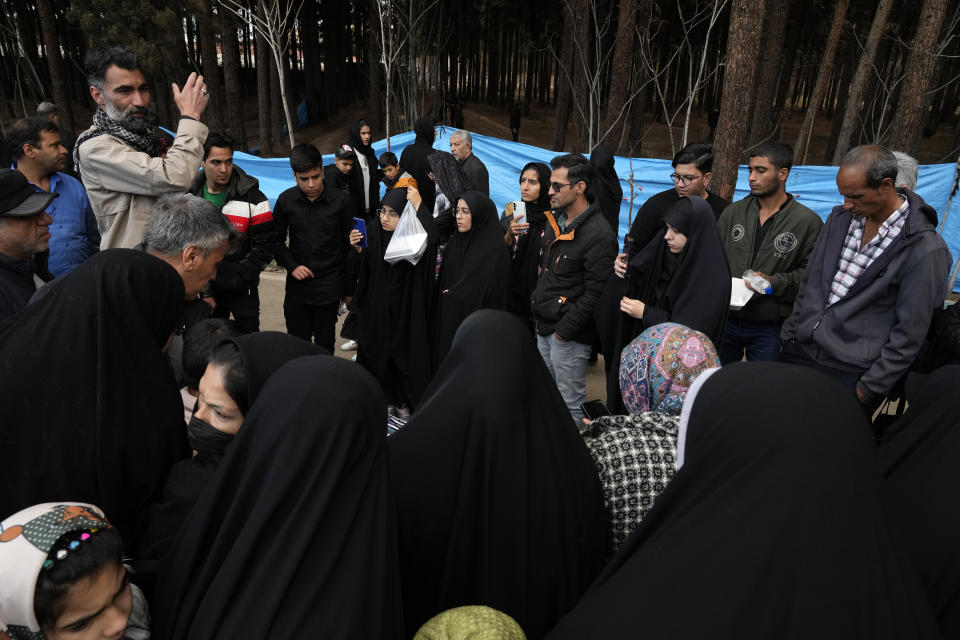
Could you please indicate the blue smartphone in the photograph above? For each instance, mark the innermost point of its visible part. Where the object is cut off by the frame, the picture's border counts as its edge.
(360, 225)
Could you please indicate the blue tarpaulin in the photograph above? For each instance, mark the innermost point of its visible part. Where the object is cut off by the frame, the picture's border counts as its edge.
(813, 186)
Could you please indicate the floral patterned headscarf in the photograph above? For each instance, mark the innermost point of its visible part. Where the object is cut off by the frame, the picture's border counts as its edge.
(658, 367)
(26, 539)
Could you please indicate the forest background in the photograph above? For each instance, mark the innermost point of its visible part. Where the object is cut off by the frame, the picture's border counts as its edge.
(643, 76)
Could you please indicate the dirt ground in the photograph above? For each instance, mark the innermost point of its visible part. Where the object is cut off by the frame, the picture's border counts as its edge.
(271, 319)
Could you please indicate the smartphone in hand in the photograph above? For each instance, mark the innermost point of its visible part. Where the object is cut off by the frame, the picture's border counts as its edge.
(520, 212)
(360, 225)
(594, 409)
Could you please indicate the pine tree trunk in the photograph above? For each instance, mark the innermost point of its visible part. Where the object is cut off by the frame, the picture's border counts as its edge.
(824, 76)
(582, 69)
(331, 58)
(276, 106)
(914, 101)
(564, 79)
(739, 79)
(58, 83)
(312, 60)
(211, 71)
(858, 87)
(622, 72)
(375, 74)
(264, 63)
(775, 28)
(233, 92)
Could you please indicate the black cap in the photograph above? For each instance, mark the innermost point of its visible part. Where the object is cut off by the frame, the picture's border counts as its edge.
(18, 198)
(345, 151)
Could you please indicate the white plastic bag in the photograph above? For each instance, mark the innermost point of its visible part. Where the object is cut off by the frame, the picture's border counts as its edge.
(409, 240)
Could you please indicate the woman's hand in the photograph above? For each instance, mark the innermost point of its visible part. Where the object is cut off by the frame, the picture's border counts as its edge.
(516, 228)
(355, 239)
(631, 307)
(413, 197)
(620, 265)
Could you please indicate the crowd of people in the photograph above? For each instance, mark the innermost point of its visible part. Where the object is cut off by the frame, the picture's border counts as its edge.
(171, 471)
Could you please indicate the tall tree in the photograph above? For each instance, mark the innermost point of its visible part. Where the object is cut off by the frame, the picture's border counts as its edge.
(764, 122)
(858, 87)
(563, 78)
(914, 101)
(211, 69)
(622, 72)
(263, 95)
(58, 80)
(823, 78)
(233, 107)
(746, 20)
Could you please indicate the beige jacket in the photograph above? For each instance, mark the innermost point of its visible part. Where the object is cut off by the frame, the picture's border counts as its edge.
(123, 183)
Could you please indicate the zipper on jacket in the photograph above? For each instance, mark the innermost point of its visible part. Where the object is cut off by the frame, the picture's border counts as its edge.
(819, 320)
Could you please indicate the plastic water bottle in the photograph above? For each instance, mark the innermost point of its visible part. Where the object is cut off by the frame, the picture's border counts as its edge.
(757, 282)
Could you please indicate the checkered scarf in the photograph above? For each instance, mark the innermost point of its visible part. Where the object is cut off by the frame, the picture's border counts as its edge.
(148, 142)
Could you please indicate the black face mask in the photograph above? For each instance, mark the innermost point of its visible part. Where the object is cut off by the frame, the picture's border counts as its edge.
(205, 439)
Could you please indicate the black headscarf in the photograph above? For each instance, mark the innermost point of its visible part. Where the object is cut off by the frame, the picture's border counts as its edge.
(296, 535)
(498, 500)
(393, 303)
(91, 411)
(262, 354)
(775, 526)
(691, 288)
(525, 266)
(919, 462)
(356, 176)
(414, 158)
(475, 273)
(451, 180)
(605, 187)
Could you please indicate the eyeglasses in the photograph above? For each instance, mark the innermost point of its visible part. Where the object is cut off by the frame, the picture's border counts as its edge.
(463, 212)
(383, 213)
(684, 180)
(557, 186)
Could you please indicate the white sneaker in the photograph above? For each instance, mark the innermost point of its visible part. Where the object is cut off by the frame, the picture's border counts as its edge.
(349, 345)
(354, 358)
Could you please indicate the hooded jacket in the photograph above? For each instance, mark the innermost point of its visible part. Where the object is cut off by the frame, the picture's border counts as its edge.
(575, 266)
(256, 239)
(879, 326)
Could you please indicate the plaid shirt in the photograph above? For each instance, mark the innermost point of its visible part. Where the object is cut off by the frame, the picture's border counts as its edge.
(854, 260)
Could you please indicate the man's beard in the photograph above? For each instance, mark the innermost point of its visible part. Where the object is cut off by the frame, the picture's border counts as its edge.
(764, 192)
(126, 120)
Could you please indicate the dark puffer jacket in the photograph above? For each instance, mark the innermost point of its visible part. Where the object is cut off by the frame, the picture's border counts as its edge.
(575, 266)
(256, 238)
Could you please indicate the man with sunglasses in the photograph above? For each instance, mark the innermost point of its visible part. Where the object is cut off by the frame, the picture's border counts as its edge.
(576, 256)
(691, 176)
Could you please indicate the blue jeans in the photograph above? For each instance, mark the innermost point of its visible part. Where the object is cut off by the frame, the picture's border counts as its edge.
(760, 341)
(567, 362)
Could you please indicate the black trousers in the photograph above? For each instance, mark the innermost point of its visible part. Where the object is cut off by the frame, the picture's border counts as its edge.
(244, 305)
(315, 323)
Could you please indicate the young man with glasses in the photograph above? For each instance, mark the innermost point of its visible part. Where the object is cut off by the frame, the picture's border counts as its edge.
(576, 256)
(691, 176)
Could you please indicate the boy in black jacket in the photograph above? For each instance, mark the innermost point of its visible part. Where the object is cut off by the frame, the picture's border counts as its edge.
(319, 221)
